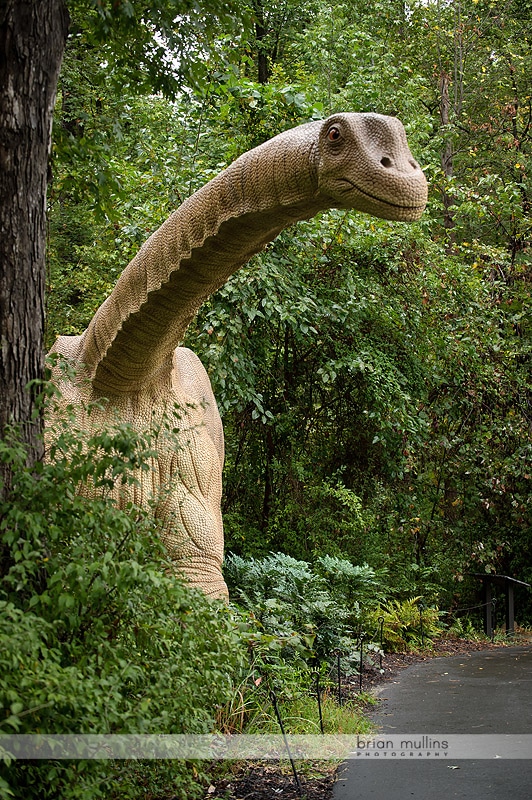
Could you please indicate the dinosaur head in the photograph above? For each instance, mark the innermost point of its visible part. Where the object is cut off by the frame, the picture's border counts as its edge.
(364, 163)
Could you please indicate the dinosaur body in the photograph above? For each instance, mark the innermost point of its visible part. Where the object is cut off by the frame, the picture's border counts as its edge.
(130, 351)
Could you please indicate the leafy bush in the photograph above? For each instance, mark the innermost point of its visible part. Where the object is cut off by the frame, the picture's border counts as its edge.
(351, 583)
(288, 597)
(95, 636)
(406, 624)
(309, 613)
(299, 617)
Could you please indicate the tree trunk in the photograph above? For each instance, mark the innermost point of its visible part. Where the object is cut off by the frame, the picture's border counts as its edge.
(447, 155)
(263, 70)
(32, 40)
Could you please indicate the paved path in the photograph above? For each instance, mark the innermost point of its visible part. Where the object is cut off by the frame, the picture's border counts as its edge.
(486, 692)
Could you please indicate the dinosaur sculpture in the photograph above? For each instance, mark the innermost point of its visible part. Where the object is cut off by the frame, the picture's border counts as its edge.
(130, 352)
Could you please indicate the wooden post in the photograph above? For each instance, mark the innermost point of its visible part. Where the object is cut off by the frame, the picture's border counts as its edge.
(488, 610)
(509, 607)
(509, 584)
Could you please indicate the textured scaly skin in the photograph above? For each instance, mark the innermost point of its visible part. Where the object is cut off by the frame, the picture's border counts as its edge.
(129, 354)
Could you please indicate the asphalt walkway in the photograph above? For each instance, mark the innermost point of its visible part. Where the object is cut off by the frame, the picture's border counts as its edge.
(486, 692)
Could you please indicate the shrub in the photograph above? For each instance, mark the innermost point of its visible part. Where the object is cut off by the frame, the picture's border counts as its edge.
(289, 599)
(351, 583)
(298, 617)
(95, 636)
(406, 624)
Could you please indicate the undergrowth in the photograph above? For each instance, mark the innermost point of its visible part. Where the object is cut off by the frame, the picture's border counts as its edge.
(95, 636)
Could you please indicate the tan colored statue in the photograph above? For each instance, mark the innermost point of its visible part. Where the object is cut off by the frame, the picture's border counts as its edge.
(130, 352)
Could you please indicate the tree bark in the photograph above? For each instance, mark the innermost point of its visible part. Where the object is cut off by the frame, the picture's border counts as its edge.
(263, 69)
(447, 155)
(32, 39)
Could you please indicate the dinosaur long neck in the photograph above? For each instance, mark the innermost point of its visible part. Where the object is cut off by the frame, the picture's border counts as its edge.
(132, 336)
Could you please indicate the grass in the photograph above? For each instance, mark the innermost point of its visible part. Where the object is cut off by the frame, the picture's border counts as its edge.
(300, 715)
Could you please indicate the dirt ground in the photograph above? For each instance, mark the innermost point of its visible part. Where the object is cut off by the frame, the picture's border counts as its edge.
(269, 780)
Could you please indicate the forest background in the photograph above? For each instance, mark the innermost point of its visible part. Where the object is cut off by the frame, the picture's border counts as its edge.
(374, 378)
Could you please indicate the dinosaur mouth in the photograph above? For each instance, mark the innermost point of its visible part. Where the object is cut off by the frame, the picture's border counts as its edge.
(380, 199)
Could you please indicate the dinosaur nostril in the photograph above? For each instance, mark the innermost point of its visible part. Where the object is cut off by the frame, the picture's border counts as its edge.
(386, 162)
(413, 164)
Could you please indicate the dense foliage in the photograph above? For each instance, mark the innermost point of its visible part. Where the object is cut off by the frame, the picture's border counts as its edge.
(95, 637)
(374, 379)
(330, 606)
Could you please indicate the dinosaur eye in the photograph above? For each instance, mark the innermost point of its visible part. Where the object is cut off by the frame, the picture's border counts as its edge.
(333, 134)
